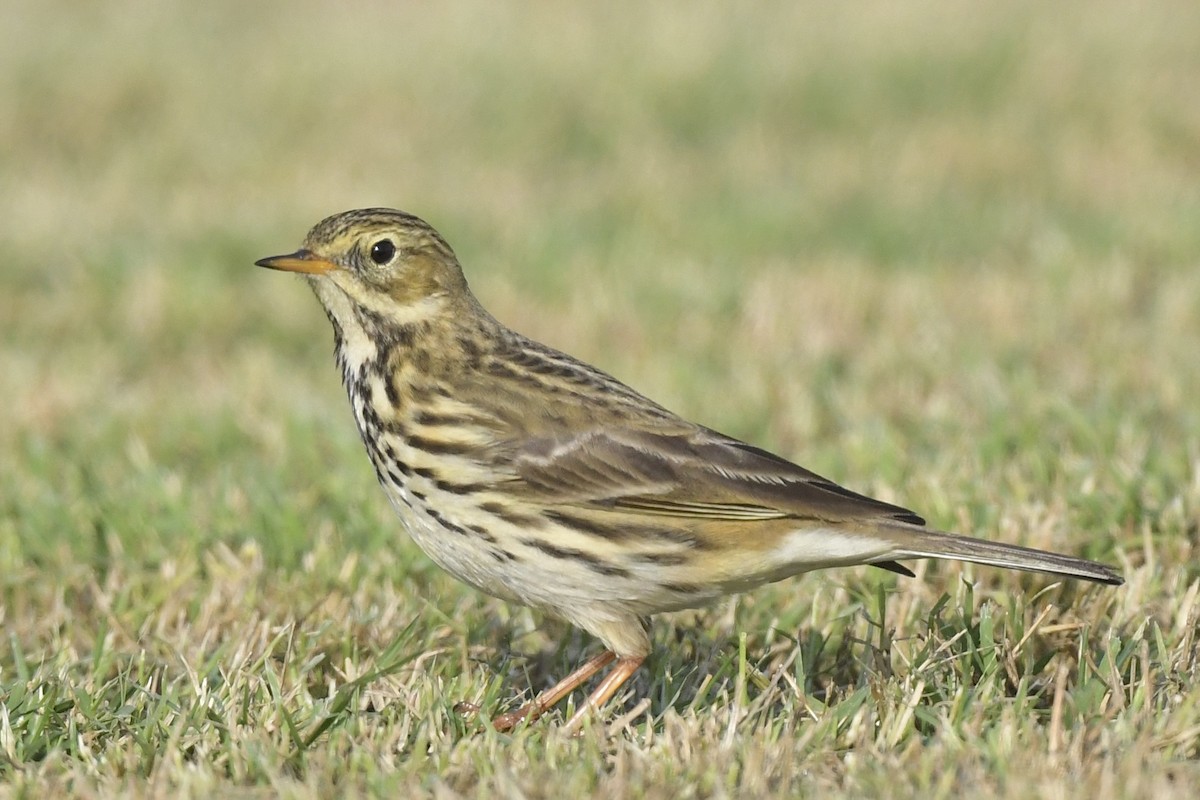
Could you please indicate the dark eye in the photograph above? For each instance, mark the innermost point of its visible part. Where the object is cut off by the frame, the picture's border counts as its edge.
(382, 251)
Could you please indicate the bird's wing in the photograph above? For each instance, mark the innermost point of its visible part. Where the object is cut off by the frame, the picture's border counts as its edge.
(692, 472)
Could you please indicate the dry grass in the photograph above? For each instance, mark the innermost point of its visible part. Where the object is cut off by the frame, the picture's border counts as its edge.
(945, 254)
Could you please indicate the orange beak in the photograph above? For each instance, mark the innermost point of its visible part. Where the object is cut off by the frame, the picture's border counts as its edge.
(300, 261)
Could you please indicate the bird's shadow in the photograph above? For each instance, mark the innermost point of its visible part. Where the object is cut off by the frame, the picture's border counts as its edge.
(694, 667)
(706, 662)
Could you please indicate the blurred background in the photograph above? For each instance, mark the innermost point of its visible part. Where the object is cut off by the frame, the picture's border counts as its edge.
(942, 252)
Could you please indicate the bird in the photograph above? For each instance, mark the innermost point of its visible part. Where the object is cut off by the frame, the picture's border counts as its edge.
(541, 480)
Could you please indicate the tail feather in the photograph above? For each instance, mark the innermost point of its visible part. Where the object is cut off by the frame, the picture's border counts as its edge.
(919, 543)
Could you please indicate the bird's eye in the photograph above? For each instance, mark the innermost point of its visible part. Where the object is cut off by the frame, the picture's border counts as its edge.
(382, 251)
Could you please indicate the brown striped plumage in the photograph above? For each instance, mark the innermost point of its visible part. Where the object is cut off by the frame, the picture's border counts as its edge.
(542, 480)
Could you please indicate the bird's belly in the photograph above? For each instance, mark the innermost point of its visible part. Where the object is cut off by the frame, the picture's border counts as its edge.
(469, 555)
(502, 558)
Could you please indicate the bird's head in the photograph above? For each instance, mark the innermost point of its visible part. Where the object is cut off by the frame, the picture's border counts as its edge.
(387, 263)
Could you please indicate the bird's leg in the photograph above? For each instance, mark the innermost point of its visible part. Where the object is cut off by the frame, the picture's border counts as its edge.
(546, 700)
(608, 687)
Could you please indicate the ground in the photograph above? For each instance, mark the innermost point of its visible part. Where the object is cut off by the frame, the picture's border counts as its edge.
(946, 254)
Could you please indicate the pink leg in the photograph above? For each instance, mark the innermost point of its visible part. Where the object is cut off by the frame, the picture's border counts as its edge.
(608, 687)
(546, 700)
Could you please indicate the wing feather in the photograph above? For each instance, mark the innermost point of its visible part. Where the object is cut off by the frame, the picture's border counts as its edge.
(691, 473)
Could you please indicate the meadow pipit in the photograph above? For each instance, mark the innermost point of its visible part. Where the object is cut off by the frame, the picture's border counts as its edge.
(539, 479)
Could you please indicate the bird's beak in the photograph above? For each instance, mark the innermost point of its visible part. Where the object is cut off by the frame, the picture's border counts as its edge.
(300, 261)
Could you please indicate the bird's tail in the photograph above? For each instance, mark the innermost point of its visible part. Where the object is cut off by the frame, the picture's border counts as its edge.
(913, 542)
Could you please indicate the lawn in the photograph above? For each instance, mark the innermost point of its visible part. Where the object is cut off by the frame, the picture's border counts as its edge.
(945, 254)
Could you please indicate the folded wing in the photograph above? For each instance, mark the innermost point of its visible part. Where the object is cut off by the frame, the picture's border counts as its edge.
(689, 473)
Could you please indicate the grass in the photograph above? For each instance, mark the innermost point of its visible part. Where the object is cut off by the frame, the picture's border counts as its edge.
(946, 255)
